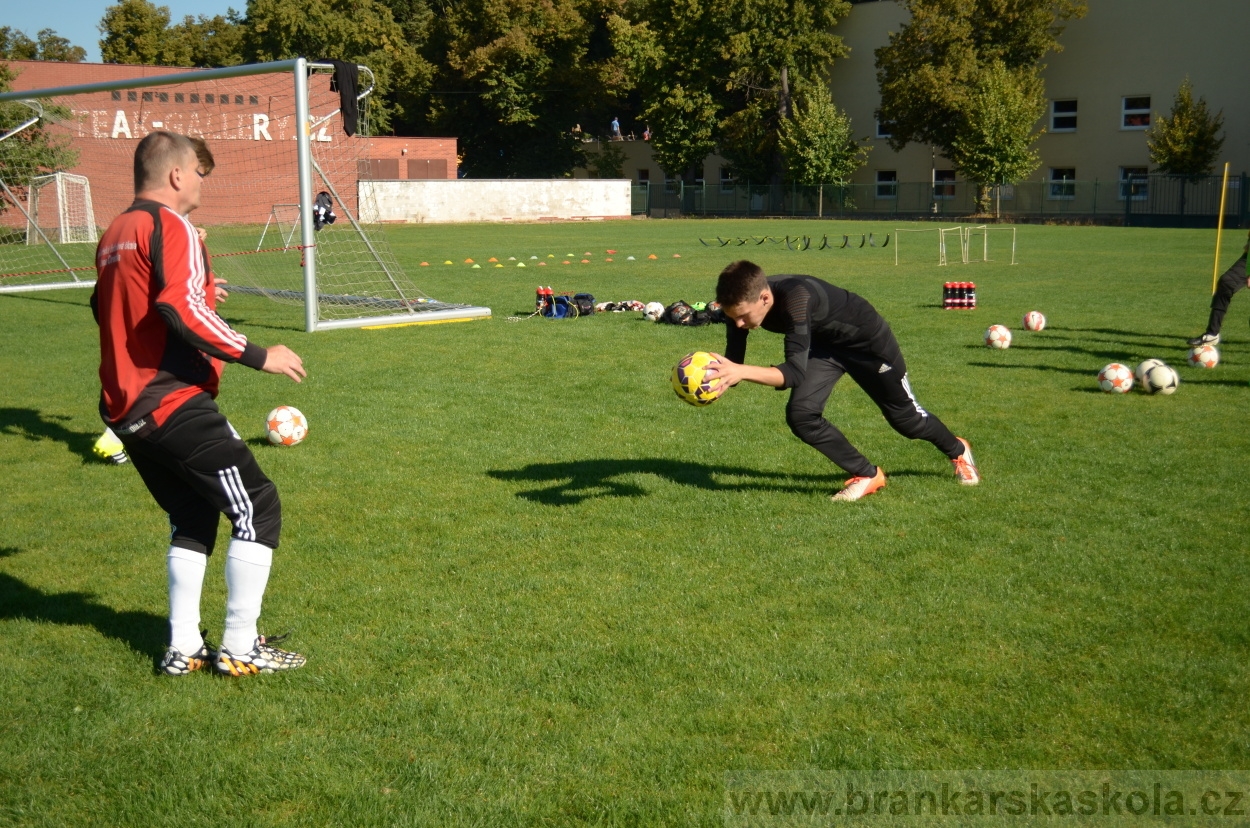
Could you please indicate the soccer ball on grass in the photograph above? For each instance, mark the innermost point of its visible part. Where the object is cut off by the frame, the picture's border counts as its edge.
(1034, 321)
(1159, 378)
(689, 381)
(1204, 356)
(286, 426)
(1115, 378)
(998, 336)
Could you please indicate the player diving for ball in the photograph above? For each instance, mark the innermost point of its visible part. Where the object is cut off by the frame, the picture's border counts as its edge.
(828, 332)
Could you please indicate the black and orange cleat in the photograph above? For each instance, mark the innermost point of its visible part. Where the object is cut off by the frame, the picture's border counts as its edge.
(263, 658)
(177, 663)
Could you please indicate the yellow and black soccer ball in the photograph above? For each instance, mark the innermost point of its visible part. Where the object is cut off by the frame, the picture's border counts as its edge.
(690, 382)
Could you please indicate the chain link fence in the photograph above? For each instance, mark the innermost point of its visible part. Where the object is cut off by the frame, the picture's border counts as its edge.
(1150, 201)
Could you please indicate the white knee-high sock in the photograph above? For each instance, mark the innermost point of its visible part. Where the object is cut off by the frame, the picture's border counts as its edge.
(186, 579)
(247, 573)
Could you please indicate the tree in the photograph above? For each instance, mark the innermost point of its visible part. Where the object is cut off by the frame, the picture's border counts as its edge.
(993, 144)
(718, 74)
(932, 68)
(818, 145)
(135, 32)
(15, 45)
(31, 152)
(1187, 141)
(513, 76)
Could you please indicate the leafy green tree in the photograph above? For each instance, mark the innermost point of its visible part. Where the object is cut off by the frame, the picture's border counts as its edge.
(994, 142)
(718, 74)
(513, 76)
(15, 45)
(135, 31)
(210, 41)
(31, 152)
(932, 68)
(360, 30)
(818, 145)
(607, 162)
(1187, 141)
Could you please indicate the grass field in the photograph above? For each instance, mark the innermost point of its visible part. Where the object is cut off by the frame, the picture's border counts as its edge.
(536, 589)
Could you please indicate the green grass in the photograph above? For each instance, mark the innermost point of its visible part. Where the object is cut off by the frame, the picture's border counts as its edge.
(535, 589)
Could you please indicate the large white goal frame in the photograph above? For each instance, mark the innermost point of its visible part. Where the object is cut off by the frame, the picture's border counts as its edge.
(389, 298)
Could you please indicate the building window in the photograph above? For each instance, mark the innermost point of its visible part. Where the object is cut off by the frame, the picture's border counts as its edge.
(644, 176)
(726, 180)
(1063, 116)
(177, 97)
(195, 97)
(884, 130)
(208, 97)
(1136, 112)
(238, 100)
(1134, 183)
(253, 100)
(1062, 182)
(132, 96)
(147, 96)
(117, 96)
(163, 97)
(887, 183)
(943, 184)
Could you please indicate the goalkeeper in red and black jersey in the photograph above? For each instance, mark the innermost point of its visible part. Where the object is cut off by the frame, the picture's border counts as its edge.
(162, 349)
(828, 332)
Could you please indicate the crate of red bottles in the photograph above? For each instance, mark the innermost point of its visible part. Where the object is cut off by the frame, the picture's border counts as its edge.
(959, 295)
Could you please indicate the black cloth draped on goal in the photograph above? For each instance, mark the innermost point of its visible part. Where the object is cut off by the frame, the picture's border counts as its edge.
(345, 82)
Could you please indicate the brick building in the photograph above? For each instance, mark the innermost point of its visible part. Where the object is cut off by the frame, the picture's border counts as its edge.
(249, 125)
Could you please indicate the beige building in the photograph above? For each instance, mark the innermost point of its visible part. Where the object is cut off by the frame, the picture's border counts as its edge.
(1120, 67)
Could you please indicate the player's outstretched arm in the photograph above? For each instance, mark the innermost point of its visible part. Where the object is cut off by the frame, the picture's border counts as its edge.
(279, 359)
(734, 373)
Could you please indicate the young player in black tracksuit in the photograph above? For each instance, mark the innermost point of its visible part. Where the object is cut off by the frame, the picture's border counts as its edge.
(828, 332)
(1233, 280)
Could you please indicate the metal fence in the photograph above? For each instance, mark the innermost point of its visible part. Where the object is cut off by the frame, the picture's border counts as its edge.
(1152, 201)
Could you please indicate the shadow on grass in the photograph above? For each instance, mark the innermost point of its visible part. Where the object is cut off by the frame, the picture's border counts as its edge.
(142, 632)
(35, 425)
(82, 302)
(573, 482)
(1080, 372)
(6, 551)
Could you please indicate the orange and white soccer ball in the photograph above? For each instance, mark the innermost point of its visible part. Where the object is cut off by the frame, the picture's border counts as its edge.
(1204, 356)
(286, 426)
(998, 336)
(1115, 378)
(1034, 321)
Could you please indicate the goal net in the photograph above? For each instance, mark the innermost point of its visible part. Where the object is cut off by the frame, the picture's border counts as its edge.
(282, 208)
(963, 244)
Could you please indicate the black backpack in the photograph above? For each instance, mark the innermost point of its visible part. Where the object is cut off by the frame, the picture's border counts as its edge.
(585, 303)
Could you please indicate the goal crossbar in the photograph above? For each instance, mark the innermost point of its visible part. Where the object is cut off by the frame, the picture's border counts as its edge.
(350, 266)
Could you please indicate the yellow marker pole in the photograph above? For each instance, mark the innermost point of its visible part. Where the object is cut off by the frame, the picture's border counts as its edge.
(1219, 230)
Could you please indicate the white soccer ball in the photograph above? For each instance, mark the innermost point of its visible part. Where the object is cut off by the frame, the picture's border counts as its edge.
(653, 312)
(1160, 379)
(1204, 356)
(1115, 378)
(998, 336)
(1034, 321)
(286, 426)
(1139, 373)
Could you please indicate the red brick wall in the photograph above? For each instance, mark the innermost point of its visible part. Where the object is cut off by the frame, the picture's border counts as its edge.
(251, 135)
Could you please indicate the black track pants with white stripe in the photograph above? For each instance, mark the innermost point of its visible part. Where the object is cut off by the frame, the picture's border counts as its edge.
(197, 467)
(883, 376)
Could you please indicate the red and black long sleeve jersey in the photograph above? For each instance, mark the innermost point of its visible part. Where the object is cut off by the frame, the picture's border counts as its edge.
(161, 340)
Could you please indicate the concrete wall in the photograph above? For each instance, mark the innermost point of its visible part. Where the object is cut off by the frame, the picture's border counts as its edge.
(472, 200)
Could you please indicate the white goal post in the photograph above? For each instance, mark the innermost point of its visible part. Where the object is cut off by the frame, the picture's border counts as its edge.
(274, 130)
(973, 242)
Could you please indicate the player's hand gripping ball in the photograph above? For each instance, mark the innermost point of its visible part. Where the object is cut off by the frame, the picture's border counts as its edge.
(286, 426)
(1115, 378)
(690, 383)
(1204, 356)
(1034, 321)
(998, 336)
